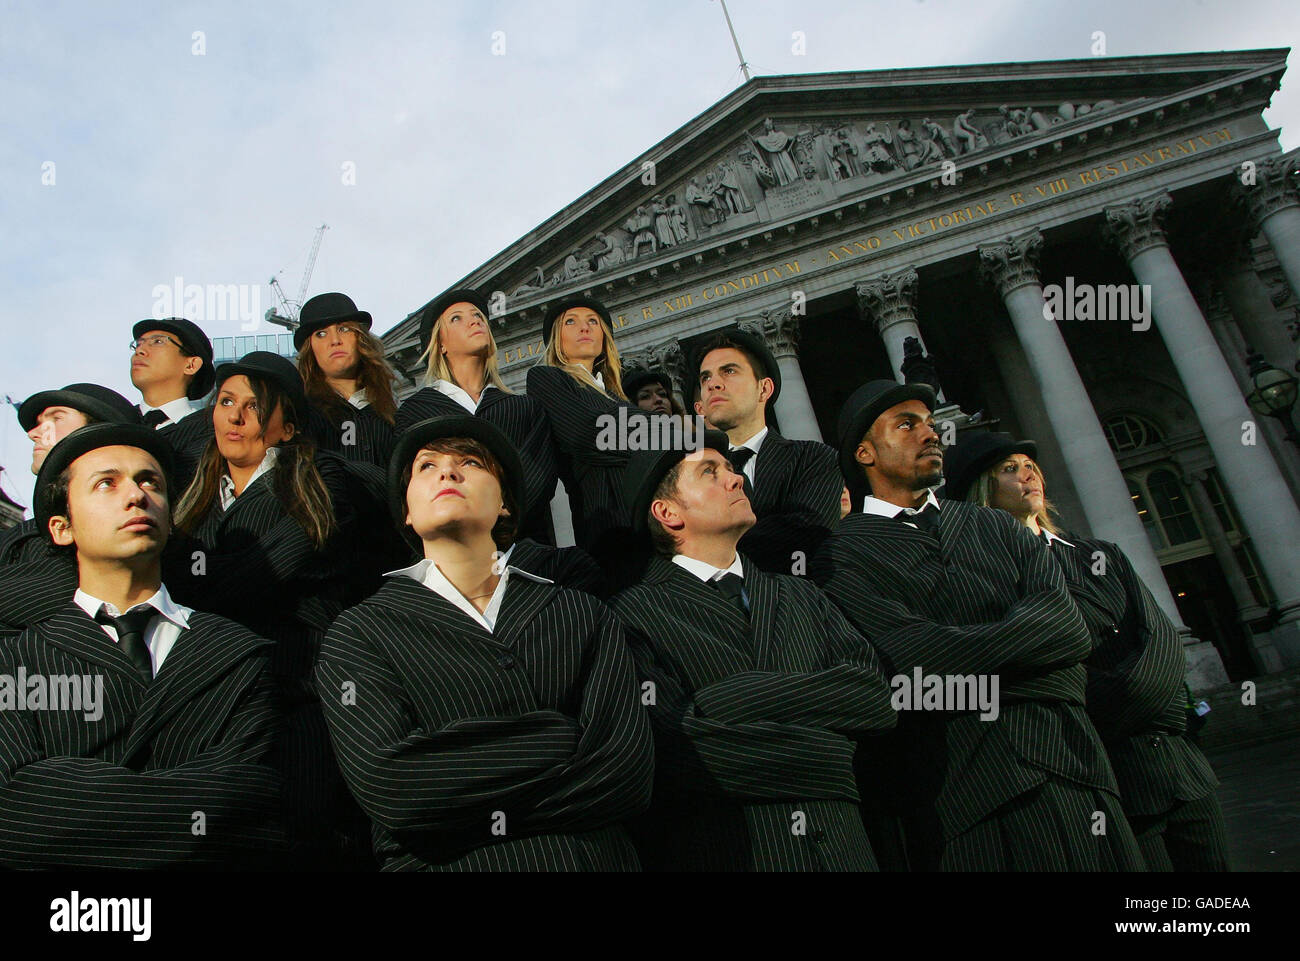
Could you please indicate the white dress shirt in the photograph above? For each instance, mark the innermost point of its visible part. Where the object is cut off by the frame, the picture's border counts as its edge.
(874, 505)
(227, 486)
(460, 395)
(358, 400)
(706, 571)
(174, 409)
(754, 443)
(1050, 537)
(427, 573)
(161, 632)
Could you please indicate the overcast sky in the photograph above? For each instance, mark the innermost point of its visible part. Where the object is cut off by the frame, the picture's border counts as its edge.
(214, 157)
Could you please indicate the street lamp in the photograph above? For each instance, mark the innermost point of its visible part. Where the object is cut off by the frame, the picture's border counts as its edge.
(1273, 394)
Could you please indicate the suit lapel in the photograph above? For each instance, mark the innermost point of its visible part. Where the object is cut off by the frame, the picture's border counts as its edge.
(524, 598)
(246, 503)
(763, 592)
(952, 521)
(773, 461)
(706, 599)
(75, 632)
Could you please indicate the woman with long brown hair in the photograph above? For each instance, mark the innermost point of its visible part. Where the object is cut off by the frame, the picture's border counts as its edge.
(266, 535)
(461, 376)
(347, 379)
(579, 386)
(1136, 695)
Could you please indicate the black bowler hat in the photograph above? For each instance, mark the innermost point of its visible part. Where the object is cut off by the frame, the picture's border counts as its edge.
(646, 468)
(861, 410)
(272, 367)
(195, 342)
(83, 441)
(99, 402)
(323, 310)
(636, 379)
(415, 437)
(557, 310)
(753, 346)
(975, 453)
(459, 295)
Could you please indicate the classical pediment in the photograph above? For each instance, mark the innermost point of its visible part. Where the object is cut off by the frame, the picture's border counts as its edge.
(780, 148)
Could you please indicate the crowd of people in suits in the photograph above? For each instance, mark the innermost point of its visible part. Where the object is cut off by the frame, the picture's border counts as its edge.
(335, 632)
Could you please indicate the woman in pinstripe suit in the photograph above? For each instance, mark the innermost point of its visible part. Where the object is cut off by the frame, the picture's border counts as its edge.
(461, 376)
(1135, 674)
(578, 383)
(484, 717)
(267, 538)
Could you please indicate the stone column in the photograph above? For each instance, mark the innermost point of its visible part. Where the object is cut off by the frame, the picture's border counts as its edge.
(779, 328)
(1012, 266)
(1248, 609)
(1272, 203)
(1251, 306)
(1258, 490)
(665, 356)
(889, 301)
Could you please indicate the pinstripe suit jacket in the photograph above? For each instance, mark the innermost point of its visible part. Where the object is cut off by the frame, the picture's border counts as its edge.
(754, 720)
(35, 590)
(122, 791)
(1135, 680)
(189, 437)
(984, 599)
(521, 419)
(592, 477)
(535, 728)
(371, 438)
(796, 500)
(23, 542)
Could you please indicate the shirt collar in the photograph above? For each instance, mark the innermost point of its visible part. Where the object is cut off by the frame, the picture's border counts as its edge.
(358, 400)
(599, 378)
(161, 601)
(227, 485)
(874, 505)
(419, 570)
(426, 572)
(755, 442)
(706, 571)
(460, 395)
(1049, 537)
(175, 410)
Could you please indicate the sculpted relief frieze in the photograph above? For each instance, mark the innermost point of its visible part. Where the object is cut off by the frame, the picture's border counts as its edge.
(783, 168)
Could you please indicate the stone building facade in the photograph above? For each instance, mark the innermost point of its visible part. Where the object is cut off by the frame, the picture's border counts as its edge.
(1084, 248)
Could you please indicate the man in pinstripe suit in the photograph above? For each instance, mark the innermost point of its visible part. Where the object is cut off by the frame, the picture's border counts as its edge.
(758, 687)
(165, 769)
(484, 717)
(955, 590)
(793, 485)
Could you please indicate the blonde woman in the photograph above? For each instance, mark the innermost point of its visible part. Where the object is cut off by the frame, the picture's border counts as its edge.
(460, 357)
(1135, 689)
(578, 384)
(348, 382)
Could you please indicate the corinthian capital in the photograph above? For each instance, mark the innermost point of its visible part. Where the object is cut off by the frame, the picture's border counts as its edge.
(1139, 224)
(778, 327)
(889, 298)
(1013, 262)
(1271, 186)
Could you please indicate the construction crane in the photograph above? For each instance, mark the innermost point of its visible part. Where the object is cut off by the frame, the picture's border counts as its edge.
(285, 311)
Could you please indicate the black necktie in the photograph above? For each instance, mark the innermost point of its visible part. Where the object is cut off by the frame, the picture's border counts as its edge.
(154, 418)
(739, 457)
(732, 587)
(926, 519)
(130, 635)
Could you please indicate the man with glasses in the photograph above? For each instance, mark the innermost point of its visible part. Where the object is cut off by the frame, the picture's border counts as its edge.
(171, 366)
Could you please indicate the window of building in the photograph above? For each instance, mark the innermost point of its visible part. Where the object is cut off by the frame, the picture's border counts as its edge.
(1174, 508)
(1130, 432)
(1146, 516)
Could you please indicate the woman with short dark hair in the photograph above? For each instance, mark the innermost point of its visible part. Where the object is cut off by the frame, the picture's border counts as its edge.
(485, 717)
